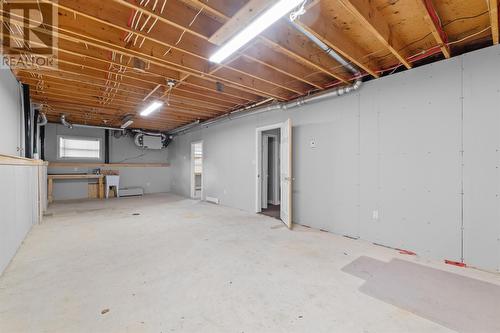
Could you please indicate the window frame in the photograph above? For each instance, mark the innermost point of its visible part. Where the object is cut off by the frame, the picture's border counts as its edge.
(83, 138)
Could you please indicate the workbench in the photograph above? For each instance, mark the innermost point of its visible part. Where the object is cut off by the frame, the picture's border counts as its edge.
(51, 179)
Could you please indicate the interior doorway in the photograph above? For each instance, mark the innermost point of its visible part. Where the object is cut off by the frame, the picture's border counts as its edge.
(274, 171)
(197, 170)
(271, 195)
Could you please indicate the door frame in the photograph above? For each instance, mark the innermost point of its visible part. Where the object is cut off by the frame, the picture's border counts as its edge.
(265, 171)
(275, 198)
(192, 176)
(258, 163)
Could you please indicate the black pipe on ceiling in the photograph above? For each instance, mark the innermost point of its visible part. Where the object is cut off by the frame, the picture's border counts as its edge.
(28, 122)
(36, 113)
(106, 146)
(42, 143)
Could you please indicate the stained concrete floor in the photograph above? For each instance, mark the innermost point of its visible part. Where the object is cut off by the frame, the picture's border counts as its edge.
(186, 266)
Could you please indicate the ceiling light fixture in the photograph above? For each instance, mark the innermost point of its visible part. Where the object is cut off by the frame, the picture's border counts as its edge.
(260, 24)
(151, 108)
(127, 121)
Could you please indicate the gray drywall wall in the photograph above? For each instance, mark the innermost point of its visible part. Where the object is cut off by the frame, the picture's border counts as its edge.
(482, 158)
(11, 111)
(393, 149)
(18, 208)
(152, 180)
(18, 184)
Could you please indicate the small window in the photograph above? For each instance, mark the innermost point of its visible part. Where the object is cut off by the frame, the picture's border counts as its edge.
(78, 148)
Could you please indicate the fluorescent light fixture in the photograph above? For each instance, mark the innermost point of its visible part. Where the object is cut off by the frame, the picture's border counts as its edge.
(151, 108)
(260, 24)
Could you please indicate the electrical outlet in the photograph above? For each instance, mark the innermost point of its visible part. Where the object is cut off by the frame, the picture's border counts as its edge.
(313, 144)
(375, 215)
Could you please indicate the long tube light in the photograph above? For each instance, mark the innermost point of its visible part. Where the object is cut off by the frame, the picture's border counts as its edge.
(151, 108)
(260, 24)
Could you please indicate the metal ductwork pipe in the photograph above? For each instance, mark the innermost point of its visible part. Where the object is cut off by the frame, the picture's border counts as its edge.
(70, 125)
(184, 128)
(99, 127)
(42, 119)
(328, 50)
(65, 123)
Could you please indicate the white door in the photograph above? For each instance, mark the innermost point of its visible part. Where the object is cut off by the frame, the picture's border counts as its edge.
(265, 169)
(286, 173)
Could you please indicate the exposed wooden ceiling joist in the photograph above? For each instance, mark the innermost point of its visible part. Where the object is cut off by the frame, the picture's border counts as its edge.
(242, 18)
(97, 82)
(427, 9)
(370, 18)
(493, 8)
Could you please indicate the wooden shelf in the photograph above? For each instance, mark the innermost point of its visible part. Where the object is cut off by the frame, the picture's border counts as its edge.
(75, 176)
(16, 160)
(109, 165)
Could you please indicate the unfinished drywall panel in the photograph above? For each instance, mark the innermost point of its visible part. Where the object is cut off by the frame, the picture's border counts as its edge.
(410, 161)
(232, 183)
(10, 126)
(179, 153)
(409, 138)
(482, 158)
(326, 166)
(18, 208)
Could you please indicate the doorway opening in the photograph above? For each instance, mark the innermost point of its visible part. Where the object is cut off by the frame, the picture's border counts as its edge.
(274, 171)
(197, 170)
(271, 192)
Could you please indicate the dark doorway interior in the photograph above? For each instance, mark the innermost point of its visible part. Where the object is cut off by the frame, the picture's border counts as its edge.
(272, 211)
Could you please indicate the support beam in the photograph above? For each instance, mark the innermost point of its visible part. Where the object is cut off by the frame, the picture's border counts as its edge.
(431, 17)
(493, 7)
(370, 17)
(28, 121)
(242, 18)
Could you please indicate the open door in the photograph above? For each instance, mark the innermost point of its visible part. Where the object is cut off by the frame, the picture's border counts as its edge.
(286, 173)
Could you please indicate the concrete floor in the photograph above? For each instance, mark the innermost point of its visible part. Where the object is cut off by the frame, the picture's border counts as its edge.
(186, 266)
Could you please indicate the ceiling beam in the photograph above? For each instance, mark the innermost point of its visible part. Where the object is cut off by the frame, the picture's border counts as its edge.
(493, 9)
(59, 87)
(171, 112)
(264, 76)
(86, 115)
(242, 18)
(178, 107)
(431, 17)
(190, 62)
(221, 17)
(242, 84)
(366, 13)
(110, 47)
(81, 84)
